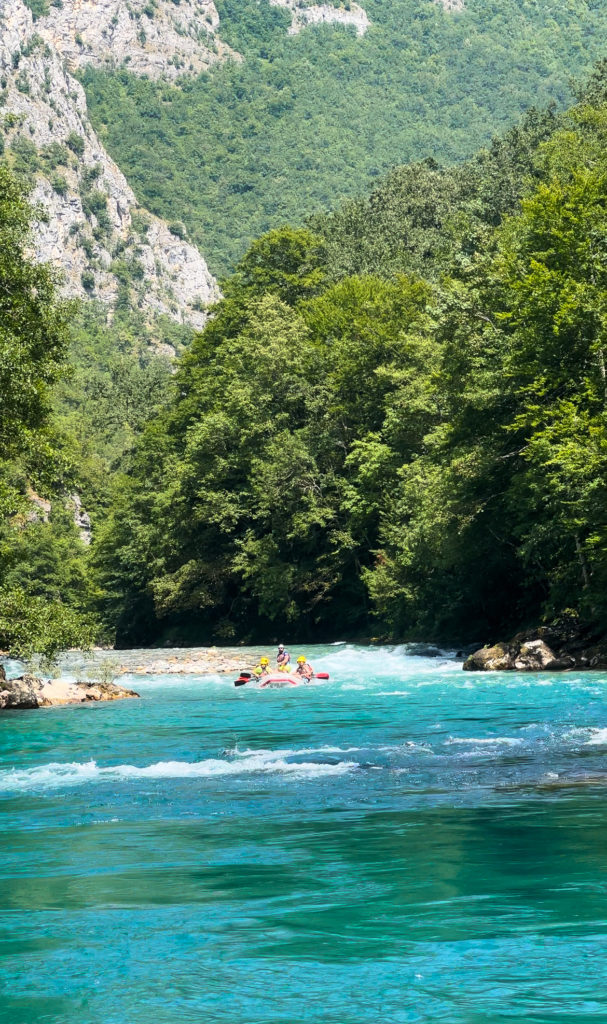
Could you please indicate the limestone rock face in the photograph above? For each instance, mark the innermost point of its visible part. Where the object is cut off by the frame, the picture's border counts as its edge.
(82, 520)
(30, 692)
(318, 14)
(91, 226)
(158, 38)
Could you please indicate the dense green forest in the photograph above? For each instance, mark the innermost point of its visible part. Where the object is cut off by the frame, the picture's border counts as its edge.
(307, 121)
(394, 422)
(396, 415)
(44, 596)
(77, 391)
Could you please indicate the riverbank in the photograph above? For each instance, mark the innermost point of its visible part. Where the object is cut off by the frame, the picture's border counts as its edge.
(199, 661)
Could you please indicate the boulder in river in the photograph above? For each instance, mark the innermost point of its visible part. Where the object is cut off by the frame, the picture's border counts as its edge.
(30, 692)
(519, 655)
(564, 644)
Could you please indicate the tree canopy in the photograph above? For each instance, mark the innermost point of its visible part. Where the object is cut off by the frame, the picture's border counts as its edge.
(395, 419)
(35, 613)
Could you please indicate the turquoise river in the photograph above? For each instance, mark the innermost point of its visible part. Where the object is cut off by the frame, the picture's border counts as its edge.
(405, 842)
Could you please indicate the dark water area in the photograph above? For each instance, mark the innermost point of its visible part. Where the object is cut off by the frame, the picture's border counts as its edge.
(405, 842)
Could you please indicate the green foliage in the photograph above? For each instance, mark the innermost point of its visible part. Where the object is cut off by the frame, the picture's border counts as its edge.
(33, 329)
(397, 412)
(239, 505)
(42, 584)
(59, 184)
(75, 142)
(32, 625)
(347, 440)
(39, 8)
(423, 217)
(287, 262)
(503, 518)
(119, 377)
(54, 155)
(178, 229)
(308, 121)
(25, 157)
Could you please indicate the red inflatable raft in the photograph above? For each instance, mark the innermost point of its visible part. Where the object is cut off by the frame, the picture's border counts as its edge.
(277, 679)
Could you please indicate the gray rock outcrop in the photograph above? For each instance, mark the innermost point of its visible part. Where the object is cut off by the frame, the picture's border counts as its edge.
(91, 226)
(519, 655)
(28, 691)
(561, 645)
(318, 14)
(157, 39)
(451, 6)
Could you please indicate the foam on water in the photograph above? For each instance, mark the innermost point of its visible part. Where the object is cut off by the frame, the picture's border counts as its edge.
(60, 775)
(376, 664)
(509, 741)
(272, 754)
(598, 737)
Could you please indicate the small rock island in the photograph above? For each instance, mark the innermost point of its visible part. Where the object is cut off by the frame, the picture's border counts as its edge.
(28, 691)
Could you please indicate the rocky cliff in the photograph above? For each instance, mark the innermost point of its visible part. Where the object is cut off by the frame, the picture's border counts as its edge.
(90, 225)
(152, 37)
(303, 14)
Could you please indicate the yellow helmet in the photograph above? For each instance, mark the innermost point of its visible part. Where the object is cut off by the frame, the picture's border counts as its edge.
(301, 659)
(264, 661)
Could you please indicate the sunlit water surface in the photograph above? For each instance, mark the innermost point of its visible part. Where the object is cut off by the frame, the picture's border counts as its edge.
(406, 842)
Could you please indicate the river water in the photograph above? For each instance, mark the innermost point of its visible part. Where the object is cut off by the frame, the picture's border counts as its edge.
(406, 842)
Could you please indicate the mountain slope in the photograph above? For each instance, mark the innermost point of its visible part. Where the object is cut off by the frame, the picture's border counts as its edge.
(309, 119)
(92, 226)
(154, 37)
(351, 448)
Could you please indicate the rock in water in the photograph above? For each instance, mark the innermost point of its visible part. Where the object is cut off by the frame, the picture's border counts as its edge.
(25, 692)
(527, 653)
(29, 692)
(490, 659)
(535, 655)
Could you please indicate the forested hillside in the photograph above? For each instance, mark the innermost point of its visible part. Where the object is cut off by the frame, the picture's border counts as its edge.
(396, 419)
(45, 597)
(77, 392)
(394, 422)
(305, 121)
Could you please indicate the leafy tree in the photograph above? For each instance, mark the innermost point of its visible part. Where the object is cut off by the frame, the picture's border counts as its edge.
(33, 342)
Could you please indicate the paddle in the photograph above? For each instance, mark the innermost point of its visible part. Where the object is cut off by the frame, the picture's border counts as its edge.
(243, 678)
